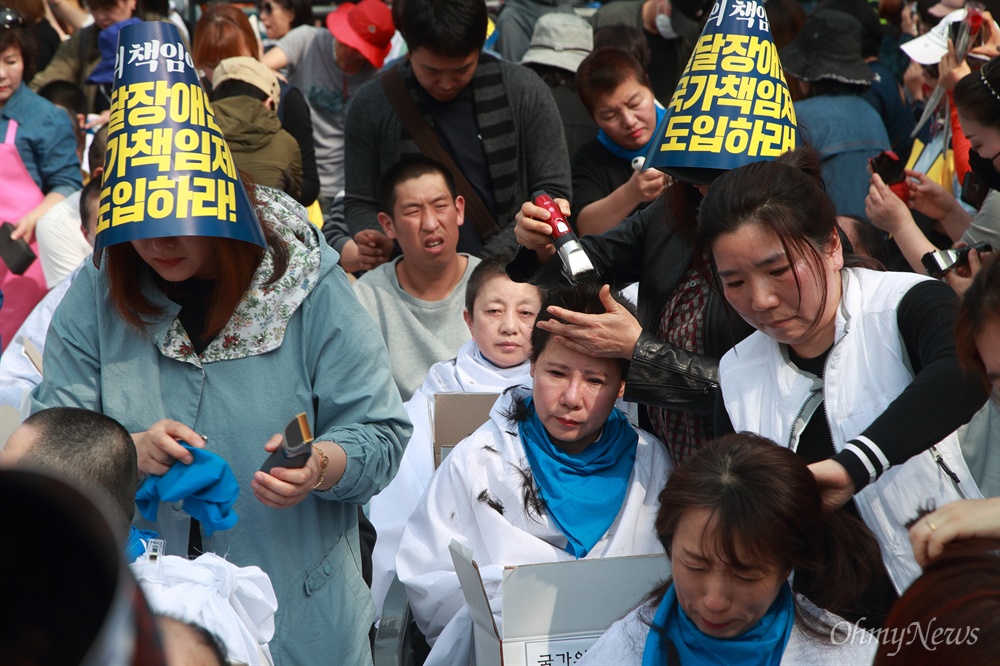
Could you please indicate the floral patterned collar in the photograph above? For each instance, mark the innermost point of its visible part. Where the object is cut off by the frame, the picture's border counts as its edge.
(258, 324)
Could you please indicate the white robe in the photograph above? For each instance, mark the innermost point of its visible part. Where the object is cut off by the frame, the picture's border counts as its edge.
(469, 372)
(237, 604)
(848, 645)
(488, 466)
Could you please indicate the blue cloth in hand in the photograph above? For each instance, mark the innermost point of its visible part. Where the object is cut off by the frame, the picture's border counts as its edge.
(207, 487)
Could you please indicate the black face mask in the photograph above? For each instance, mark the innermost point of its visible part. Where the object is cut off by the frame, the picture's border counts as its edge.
(984, 169)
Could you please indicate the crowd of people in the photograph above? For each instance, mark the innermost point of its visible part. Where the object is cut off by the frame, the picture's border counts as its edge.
(242, 255)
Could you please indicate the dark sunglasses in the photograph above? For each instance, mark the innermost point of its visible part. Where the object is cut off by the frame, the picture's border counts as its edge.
(9, 19)
(266, 8)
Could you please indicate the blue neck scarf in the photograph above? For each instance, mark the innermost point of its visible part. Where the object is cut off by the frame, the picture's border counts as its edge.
(583, 492)
(625, 153)
(762, 645)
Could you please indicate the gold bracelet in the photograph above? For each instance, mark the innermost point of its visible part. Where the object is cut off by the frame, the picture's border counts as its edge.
(322, 469)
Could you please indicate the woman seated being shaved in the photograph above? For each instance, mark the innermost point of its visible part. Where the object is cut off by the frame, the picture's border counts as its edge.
(556, 474)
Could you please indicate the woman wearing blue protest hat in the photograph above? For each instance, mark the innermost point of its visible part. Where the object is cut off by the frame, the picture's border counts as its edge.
(556, 474)
(184, 335)
(219, 309)
(684, 326)
(735, 519)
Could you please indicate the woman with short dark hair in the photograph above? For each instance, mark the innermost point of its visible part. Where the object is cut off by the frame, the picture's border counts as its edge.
(607, 187)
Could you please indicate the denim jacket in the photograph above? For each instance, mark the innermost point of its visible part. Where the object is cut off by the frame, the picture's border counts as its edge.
(846, 131)
(44, 140)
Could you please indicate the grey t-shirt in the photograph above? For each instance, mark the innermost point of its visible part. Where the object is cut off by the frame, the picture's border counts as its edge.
(417, 333)
(313, 69)
(985, 226)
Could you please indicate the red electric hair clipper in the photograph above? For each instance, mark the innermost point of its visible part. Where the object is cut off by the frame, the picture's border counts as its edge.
(577, 266)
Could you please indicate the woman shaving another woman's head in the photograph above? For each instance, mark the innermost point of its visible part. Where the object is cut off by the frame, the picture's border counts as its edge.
(777, 254)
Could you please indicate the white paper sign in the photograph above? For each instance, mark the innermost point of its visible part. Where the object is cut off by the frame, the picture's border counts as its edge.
(560, 652)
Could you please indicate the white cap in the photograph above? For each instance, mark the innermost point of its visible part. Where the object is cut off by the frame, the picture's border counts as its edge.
(928, 49)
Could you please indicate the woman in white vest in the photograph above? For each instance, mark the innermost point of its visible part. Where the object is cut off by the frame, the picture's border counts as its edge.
(853, 368)
(556, 474)
(735, 519)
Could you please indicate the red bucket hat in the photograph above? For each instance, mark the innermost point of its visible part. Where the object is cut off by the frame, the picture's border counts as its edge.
(366, 27)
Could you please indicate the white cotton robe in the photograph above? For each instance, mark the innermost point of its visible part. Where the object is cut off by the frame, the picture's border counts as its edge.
(469, 372)
(477, 498)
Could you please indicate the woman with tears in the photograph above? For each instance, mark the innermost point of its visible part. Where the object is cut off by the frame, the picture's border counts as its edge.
(736, 519)
(852, 368)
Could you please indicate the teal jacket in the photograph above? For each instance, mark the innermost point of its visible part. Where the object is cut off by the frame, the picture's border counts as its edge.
(303, 344)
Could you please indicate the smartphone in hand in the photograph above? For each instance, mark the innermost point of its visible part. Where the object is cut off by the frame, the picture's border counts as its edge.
(891, 170)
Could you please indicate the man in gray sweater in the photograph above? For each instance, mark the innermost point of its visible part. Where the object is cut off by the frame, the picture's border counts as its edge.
(496, 119)
(418, 299)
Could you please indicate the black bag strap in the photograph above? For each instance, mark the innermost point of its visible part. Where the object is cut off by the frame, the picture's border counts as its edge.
(430, 145)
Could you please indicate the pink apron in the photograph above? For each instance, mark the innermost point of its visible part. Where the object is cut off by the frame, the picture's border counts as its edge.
(20, 195)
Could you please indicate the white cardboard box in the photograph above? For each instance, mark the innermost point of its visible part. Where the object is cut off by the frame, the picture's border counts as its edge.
(456, 416)
(553, 612)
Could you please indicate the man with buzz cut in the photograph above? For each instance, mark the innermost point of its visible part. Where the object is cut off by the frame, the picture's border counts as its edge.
(418, 299)
(87, 448)
(495, 120)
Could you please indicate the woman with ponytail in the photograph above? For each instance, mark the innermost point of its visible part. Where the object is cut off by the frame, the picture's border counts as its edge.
(852, 368)
(735, 520)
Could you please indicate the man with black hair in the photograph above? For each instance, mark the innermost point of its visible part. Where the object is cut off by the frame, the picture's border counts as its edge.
(85, 446)
(495, 120)
(417, 300)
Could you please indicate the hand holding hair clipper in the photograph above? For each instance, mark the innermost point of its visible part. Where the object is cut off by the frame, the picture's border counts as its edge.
(577, 266)
(295, 448)
(941, 262)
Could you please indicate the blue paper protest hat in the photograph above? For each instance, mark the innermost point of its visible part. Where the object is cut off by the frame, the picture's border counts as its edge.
(168, 169)
(732, 105)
